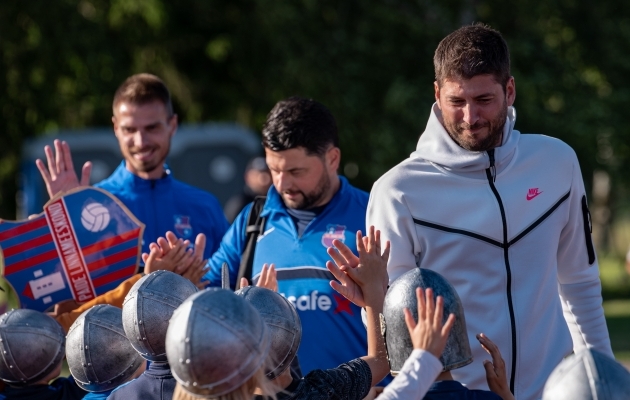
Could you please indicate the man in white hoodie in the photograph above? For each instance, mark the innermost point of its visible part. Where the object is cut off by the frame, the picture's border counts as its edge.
(503, 216)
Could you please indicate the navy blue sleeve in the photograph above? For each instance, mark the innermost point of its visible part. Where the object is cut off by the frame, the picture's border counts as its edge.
(351, 380)
(69, 388)
(230, 251)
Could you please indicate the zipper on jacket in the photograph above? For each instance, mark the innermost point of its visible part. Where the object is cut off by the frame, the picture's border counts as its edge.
(491, 174)
(493, 168)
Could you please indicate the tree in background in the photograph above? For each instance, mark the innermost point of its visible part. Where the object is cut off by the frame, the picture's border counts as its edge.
(370, 62)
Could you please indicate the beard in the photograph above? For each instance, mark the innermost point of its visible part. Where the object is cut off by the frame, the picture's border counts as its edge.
(309, 200)
(152, 164)
(492, 139)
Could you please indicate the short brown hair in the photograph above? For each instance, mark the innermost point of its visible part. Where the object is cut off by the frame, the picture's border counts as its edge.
(143, 89)
(470, 51)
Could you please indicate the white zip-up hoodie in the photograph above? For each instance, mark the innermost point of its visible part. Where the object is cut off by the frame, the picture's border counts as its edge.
(513, 238)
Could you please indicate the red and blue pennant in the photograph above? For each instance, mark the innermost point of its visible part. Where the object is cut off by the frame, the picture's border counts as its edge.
(84, 244)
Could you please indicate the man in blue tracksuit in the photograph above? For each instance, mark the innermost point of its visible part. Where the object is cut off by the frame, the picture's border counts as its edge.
(144, 123)
(307, 207)
(166, 204)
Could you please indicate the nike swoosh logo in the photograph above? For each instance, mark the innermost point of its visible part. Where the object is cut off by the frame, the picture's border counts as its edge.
(265, 233)
(531, 196)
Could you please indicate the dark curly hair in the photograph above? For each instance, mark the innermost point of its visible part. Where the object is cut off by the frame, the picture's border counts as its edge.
(299, 122)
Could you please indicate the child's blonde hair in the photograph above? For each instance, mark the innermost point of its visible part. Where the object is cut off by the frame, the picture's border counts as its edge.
(244, 392)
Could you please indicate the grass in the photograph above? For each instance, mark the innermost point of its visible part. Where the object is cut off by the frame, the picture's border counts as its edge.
(615, 279)
(618, 320)
(616, 293)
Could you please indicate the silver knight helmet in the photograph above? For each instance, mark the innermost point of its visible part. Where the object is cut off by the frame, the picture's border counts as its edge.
(402, 294)
(99, 354)
(215, 342)
(283, 322)
(588, 375)
(32, 345)
(148, 307)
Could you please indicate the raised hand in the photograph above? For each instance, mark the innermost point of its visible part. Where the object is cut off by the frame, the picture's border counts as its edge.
(361, 276)
(60, 176)
(167, 254)
(429, 333)
(268, 278)
(196, 271)
(193, 257)
(343, 256)
(495, 369)
(194, 266)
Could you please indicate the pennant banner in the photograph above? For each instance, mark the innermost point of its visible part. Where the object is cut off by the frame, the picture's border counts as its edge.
(84, 244)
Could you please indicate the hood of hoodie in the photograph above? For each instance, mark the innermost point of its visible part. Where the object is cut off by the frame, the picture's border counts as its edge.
(436, 146)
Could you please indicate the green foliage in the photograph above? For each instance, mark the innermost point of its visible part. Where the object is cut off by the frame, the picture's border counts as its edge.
(370, 62)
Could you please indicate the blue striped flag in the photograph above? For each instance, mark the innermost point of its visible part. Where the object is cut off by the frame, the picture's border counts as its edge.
(85, 243)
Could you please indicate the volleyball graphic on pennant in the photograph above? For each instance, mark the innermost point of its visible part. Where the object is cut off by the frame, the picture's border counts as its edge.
(85, 243)
(95, 217)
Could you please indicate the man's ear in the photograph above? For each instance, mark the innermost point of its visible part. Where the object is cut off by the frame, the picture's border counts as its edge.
(436, 88)
(333, 158)
(115, 123)
(173, 123)
(510, 91)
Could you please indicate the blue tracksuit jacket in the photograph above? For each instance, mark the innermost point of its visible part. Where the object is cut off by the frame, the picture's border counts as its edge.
(332, 329)
(167, 204)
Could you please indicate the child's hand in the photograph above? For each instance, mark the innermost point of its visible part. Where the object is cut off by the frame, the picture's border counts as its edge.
(268, 278)
(193, 264)
(167, 254)
(495, 370)
(196, 271)
(429, 333)
(361, 276)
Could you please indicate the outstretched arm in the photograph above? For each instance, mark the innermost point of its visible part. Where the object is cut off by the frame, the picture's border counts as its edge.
(365, 285)
(59, 175)
(428, 336)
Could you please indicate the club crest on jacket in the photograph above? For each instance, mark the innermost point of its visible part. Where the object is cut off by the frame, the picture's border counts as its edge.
(182, 226)
(333, 232)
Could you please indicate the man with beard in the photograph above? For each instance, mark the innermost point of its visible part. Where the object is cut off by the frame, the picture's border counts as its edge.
(502, 216)
(144, 123)
(307, 208)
